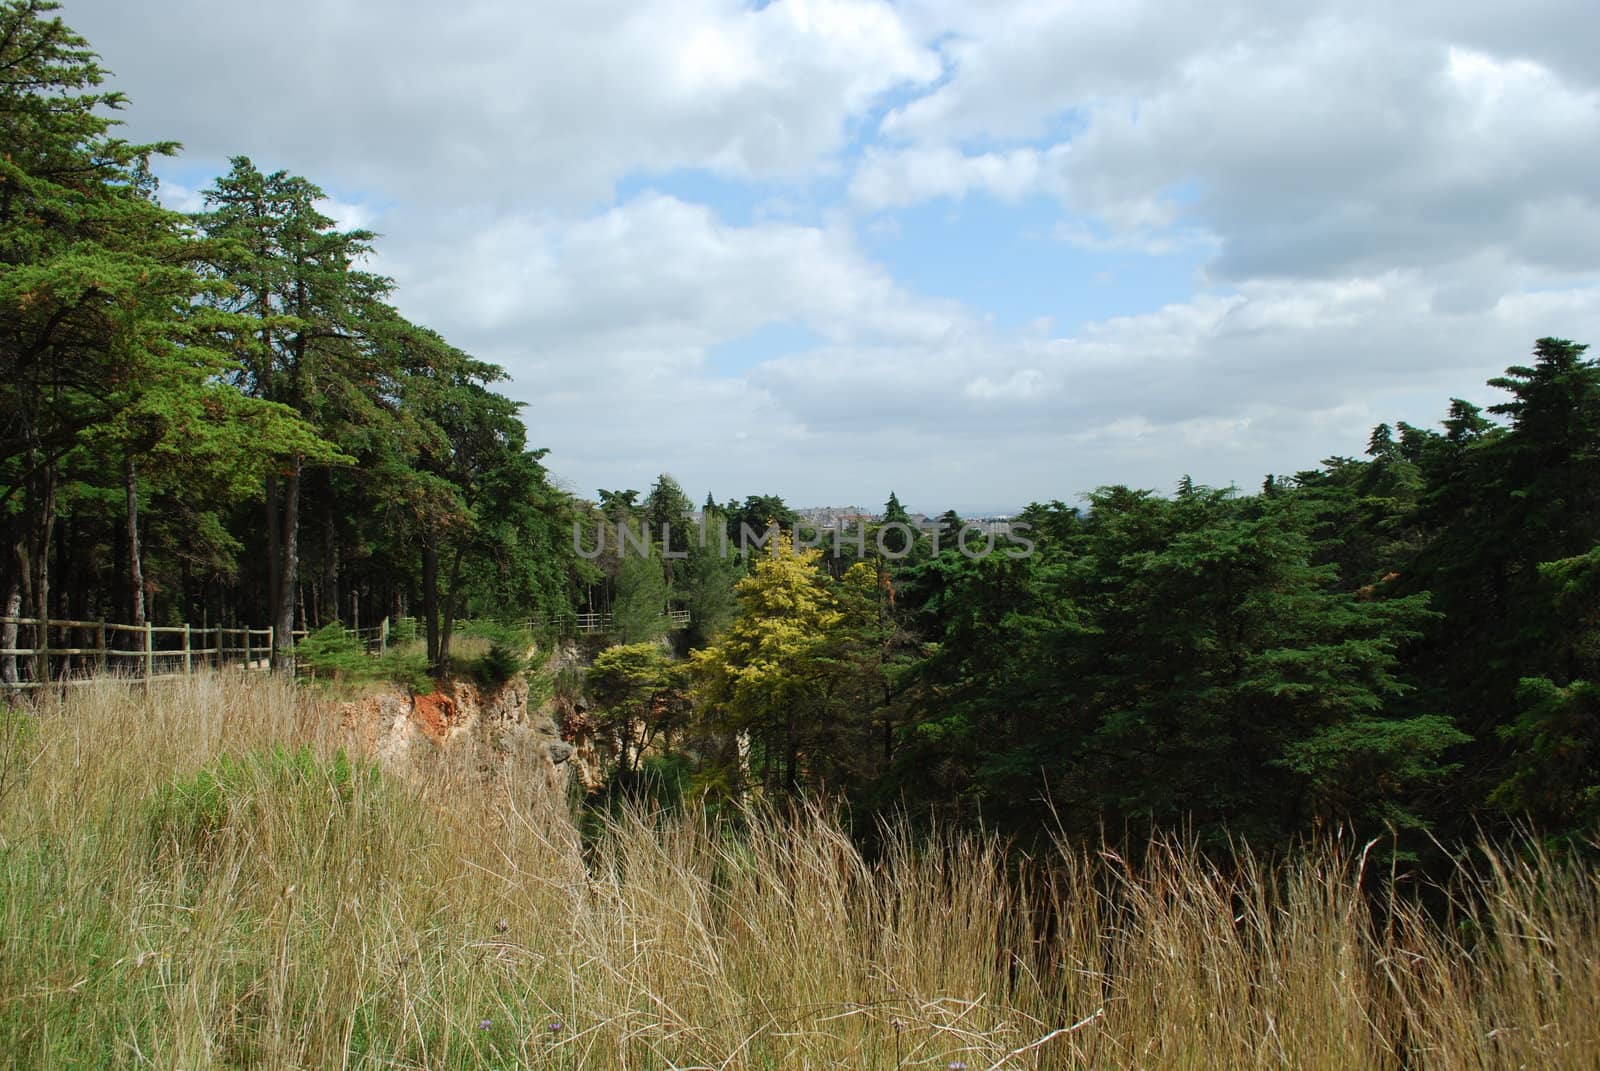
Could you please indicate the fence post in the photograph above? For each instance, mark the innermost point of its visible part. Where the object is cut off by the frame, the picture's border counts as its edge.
(383, 636)
(41, 665)
(248, 664)
(188, 663)
(149, 652)
(100, 649)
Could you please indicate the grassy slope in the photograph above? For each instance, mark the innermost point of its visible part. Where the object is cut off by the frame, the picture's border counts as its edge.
(288, 913)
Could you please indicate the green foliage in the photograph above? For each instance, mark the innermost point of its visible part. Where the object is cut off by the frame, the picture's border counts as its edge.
(187, 816)
(336, 655)
(756, 514)
(1368, 766)
(641, 699)
(667, 779)
(1556, 775)
(506, 654)
(896, 542)
(667, 509)
(799, 675)
(409, 669)
(333, 651)
(704, 582)
(1176, 661)
(639, 611)
(1554, 771)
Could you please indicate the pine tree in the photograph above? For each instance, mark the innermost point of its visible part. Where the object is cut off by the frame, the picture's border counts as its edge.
(304, 336)
(896, 541)
(667, 510)
(756, 515)
(639, 611)
(1505, 505)
(99, 335)
(704, 582)
(1224, 658)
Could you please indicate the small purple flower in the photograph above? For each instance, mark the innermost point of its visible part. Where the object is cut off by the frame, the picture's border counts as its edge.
(957, 1065)
(485, 1024)
(556, 1026)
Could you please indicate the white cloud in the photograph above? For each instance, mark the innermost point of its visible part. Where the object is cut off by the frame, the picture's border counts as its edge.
(661, 272)
(1394, 203)
(1298, 143)
(1227, 386)
(499, 102)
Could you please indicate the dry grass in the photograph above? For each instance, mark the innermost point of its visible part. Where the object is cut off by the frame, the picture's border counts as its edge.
(327, 919)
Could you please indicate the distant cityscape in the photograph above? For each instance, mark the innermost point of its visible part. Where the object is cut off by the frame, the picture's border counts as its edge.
(829, 518)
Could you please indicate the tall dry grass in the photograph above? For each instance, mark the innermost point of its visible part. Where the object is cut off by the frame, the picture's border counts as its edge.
(321, 917)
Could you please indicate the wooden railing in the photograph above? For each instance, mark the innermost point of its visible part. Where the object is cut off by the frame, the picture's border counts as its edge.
(590, 623)
(156, 652)
(162, 652)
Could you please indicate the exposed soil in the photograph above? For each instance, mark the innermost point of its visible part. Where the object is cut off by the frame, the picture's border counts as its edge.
(490, 730)
(435, 714)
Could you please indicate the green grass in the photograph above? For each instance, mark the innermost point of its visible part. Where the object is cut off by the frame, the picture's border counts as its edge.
(202, 879)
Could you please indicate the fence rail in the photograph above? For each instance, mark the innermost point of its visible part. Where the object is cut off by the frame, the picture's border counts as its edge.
(87, 652)
(589, 623)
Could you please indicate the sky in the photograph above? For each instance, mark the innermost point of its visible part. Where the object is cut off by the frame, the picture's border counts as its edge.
(977, 254)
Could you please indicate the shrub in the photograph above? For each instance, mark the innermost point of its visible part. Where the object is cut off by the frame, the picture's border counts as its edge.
(408, 669)
(403, 630)
(332, 650)
(190, 814)
(335, 653)
(506, 655)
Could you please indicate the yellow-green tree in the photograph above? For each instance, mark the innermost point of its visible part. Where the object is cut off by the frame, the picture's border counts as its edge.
(764, 681)
(784, 679)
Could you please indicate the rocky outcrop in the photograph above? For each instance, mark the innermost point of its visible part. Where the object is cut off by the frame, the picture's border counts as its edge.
(569, 712)
(491, 730)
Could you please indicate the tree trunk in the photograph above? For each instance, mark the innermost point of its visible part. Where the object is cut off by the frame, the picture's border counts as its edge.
(450, 609)
(430, 596)
(135, 564)
(8, 631)
(65, 586)
(330, 561)
(288, 574)
(41, 514)
(274, 550)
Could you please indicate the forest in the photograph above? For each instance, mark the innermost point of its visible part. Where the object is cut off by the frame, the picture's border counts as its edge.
(222, 417)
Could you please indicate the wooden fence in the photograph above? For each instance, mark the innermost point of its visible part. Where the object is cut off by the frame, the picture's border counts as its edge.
(589, 623)
(80, 651)
(75, 652)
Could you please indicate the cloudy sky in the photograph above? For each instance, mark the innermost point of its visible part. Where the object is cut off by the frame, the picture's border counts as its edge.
(980, 254)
